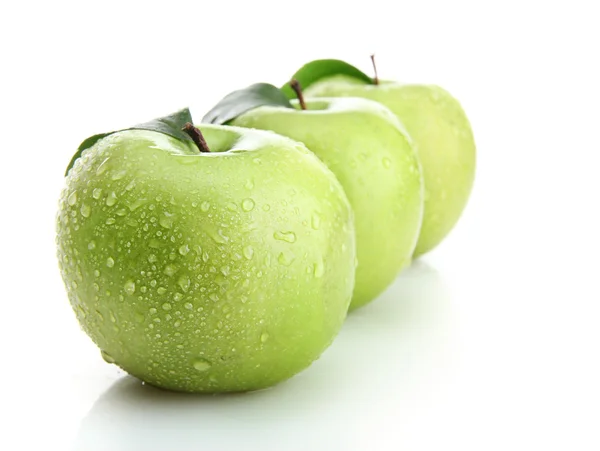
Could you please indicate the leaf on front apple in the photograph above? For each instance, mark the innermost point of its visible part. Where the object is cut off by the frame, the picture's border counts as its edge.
(169, 125)
(319, 69)
(238, 102)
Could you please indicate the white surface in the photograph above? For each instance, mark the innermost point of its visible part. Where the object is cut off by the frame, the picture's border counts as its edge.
(490, 342)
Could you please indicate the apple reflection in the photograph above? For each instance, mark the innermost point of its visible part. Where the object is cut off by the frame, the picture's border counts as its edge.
(391, 354)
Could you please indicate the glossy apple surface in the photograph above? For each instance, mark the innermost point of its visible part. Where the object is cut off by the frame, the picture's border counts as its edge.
(363, 144)
(443, 137)
(206, 272)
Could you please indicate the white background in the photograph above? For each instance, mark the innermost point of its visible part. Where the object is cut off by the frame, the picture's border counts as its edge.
(488, 343)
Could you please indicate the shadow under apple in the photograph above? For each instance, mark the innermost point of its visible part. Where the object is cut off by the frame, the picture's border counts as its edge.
(389, 355)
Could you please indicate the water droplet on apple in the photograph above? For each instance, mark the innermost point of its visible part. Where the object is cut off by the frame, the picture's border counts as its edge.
(152, 311)
(248, 204)
(264, 337)
(72, 199)
(170, 270)
(129, 287)
(248, 252)
(110, 221)
(110, 262)
(184, 283)
(107, 357)
(161, 290)
(315, 221)
(386, 163)
(154, 243)
(319, 269)
(205, 206)
(111, 199)
(85, 210)
(97, 193)
(201, 364)
(166, 220)
(231, 206)
(136, 204)
(218, 237)
(266, 207)
(188, 306)
(92, 245)
(205, 257)
(249, 184)
(103, 166)
(119, 175)
(166, 306)
(225, 270)
(289, 237)
(184, 249)
(286, 258)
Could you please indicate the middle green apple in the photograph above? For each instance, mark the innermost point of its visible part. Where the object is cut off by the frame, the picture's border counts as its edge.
(365, 146)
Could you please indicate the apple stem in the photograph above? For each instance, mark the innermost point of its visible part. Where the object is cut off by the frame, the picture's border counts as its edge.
(196, 136)
(375, 78)
(298, 90)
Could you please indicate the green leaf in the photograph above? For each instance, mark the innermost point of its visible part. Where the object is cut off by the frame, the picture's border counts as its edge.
(169, 125)
(238, 102)
(319, 69)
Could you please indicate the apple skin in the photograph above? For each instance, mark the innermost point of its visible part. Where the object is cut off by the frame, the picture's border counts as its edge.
(363, 144)
(224, 271)
(443, 137)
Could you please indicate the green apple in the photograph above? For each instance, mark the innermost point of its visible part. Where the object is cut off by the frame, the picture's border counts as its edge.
(365, 147)
(435, 121)
(230, 270)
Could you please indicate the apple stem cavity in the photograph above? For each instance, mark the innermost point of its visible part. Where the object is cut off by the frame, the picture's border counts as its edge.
(375, 78)
(295, 84)
(196, 136)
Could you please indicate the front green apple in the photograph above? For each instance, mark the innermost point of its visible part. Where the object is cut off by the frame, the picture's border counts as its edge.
(206, 272)
(439, 128)
(364, 146)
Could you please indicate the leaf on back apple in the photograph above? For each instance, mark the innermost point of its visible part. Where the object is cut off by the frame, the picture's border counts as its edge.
(238, 102)
(171, 125)
(318, 69)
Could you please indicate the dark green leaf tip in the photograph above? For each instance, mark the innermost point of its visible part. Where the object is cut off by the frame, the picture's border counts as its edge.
(316, 70)
(171, 125)
(239, 102)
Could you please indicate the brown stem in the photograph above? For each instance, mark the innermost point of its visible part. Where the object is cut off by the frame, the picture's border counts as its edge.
(298, 90)
(196, 136)
(375, 78)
